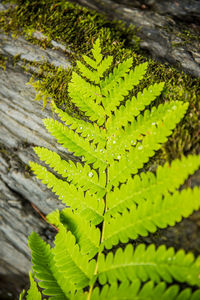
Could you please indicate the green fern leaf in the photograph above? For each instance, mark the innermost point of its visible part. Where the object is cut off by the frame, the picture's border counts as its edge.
(91, 132)
(42, 259)
(90, 207)
(96, 51)
(150, 187)
(33, 293)
(86, 97)
(116, 93)
(133, 107)
(104, 65)
(74, 143)
(119, 72)
(150, 215)
(150, 291)
(74, 267)
(108, 205)
(91, 75)
(148, 263)
(126, 138)
(94, 76)
(135, 159)
(79, 175)
(87, 235)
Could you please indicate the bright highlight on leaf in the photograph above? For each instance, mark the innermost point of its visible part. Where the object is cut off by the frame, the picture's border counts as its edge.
(108, 203)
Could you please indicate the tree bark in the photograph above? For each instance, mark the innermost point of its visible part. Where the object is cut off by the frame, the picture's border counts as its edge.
(169, 30)
(23, 199)
(22, 196)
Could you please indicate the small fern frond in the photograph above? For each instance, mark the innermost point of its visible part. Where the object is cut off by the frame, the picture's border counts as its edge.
(96, 51)
(116, 94)
(131, 162)
(88, 206)
(118, 72)
(93, 76)
(104, 65)
(33, 293)
(152, 187)
(79, 175)
(132, 108)
(149, 215)
(92, 132)
(76, 144)
(148, 263)
(87, 235)
(72, 265)
(42, 259)
(86, 96)
(126, 138)
(100, 67)
(150, 291)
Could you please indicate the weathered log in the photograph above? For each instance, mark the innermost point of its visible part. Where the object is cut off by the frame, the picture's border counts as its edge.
(169, 30)
(22, 196)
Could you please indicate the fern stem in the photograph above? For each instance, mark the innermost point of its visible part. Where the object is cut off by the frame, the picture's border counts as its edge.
(96, 269)
(101, 241)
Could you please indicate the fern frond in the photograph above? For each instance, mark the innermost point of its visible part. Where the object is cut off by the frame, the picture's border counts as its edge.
(42, 259)
(108, 205)
(92, 132)
(116, 93)
(152, 187)
(33, 293)
(118, 72)
(87, 235)
(131, 162)
(148, 263)
(86, 96)
(88, 206)
(126, 138)
(79, 175)
(96, 51)
(132, 108)
(149, 215)
(76, 144)
(104, 65)
(93, 76)
(72, 265)
(150, 291)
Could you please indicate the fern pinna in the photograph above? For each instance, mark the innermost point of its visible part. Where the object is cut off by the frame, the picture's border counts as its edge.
(111, 202)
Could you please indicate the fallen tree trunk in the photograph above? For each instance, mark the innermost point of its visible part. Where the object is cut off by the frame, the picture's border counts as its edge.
(24, 200)
(169, 30)
(22, 196)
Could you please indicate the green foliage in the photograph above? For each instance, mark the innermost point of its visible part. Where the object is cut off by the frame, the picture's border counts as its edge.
(112, 199)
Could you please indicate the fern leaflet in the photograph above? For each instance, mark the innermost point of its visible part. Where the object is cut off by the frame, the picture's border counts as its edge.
(33, 293)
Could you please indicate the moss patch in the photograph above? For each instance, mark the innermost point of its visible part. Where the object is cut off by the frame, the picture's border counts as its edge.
(77, 28)
(3, 62)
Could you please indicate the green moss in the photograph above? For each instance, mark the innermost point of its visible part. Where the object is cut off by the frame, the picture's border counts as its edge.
(77, 28)
(3, 62)
(68, 23)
